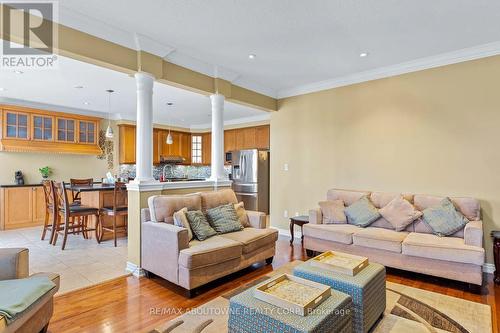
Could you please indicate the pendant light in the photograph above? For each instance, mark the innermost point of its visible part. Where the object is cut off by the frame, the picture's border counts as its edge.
(170, 140)
(109, 130)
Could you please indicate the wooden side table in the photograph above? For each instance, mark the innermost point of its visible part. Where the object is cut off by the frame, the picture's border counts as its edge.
(496, 254)
(300, 221)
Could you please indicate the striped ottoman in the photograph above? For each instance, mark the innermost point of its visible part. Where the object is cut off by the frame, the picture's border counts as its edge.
(248, 314)
(367, 289)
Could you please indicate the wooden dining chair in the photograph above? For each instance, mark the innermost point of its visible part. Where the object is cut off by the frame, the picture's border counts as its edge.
(119, 208)
(79, 182)
(50, 209)
(72, 219)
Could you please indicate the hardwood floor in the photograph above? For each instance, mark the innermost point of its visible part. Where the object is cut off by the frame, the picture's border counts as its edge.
(128, 304)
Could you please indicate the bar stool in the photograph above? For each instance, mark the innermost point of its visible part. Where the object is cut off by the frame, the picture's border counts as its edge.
(77, 200)
(74, 218)
(50, 208)
(119, 194)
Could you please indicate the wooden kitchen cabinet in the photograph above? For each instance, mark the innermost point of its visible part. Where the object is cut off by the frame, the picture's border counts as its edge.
(127, 144)
(156, 146)
(206, 148)
(229, 140)
(262, 137)
(21, 207)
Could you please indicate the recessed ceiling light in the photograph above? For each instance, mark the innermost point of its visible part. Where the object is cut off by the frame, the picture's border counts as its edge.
(170, 103)
(78, 87)
(18, 72)
(86, 103)
(252, 56)
(363, 54)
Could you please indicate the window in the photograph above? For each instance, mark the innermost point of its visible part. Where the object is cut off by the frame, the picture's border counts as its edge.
(42, 128)
(196, 149)
(87, 132)
(65, 130)
(17, 125)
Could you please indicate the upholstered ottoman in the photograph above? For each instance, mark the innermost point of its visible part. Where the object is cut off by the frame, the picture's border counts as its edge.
(367, 289)
(248, 314)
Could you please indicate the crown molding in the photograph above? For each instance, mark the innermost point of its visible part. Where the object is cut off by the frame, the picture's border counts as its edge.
(472, 53)
(239, 121)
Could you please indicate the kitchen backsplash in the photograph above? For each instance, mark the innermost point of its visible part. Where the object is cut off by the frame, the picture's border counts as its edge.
(175, 171)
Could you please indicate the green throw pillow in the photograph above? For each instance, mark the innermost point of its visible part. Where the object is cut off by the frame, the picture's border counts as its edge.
(362, 213)
(444, 220)
(199, 225)
(224, 219)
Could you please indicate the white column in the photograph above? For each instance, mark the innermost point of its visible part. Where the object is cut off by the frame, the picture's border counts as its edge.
(217, 138)
(144, 129)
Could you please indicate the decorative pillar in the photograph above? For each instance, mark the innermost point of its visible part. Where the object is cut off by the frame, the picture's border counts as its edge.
(144, 129)
(217, 169)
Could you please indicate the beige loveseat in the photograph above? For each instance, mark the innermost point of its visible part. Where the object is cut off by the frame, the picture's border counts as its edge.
(14, 264)
(167, 252)
(457, 257)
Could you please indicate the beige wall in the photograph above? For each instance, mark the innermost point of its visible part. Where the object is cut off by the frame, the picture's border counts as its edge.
(64, 166)
(435, 131)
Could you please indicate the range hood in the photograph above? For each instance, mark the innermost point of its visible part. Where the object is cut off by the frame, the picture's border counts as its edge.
(172, 159)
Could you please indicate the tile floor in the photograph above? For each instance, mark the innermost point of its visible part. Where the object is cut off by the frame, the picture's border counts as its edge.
(81, 264)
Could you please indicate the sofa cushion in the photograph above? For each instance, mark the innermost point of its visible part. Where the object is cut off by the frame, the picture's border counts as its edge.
(209, 252)
(216, 198)
(224, 219)
(340, 233)
(199, 225)
(242, 214)
(379, 238)
(362, 212)
(469, 207)
(349, 197)
(180, 220)
(381, 199)
(163, 207)
(333, 211)
(444, 219)
(400, 213)
(442, 248)
(253, 239)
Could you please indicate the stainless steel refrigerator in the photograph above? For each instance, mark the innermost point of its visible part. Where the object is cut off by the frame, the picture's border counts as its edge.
(250, 175)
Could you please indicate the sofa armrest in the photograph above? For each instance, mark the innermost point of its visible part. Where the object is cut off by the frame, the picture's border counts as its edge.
(160, 245)
(257, 219)
(14, 263)
(315, 216)
(473, 233)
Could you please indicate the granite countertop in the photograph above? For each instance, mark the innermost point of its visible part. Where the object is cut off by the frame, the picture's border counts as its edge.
(92, 188)
(15, 185)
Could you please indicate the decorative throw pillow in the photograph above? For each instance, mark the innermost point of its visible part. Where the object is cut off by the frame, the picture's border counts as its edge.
(333, 211)
(224, 219)
(199, 224)
(242, 214)
(400, 213)
(181, 220)
(362, 212)
(444, 219)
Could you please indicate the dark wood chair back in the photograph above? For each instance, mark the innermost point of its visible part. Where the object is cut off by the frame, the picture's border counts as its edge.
(62, 201)
(79, 182)
(119, 193)
(49, 194)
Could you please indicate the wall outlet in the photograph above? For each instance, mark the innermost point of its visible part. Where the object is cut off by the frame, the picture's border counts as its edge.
(296, 213)
(285, 167)
(285, 213)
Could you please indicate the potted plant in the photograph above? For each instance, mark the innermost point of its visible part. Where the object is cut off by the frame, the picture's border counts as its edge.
(45, 171)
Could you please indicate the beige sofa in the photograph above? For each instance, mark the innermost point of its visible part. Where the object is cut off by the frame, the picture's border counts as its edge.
(458, 257)
(167, 252)
(14, 264)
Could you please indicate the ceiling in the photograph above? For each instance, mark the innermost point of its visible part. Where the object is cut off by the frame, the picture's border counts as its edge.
(296, 43)
(55, 90)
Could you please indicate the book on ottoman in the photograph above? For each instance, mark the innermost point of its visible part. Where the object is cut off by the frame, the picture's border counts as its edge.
(250, 315)
(367, 289)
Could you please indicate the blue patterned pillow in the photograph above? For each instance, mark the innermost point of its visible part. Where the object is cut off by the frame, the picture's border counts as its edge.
(224, 219)
(444, 220)
(199, 225)
(362, 213)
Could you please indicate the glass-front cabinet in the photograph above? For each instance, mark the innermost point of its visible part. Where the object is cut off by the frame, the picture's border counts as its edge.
(16, 125)
(25, 129)
(65, 130)
(43, 128)
(87, 132)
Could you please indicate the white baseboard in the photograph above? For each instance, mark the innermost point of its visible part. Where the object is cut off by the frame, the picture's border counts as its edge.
(134, 269)
(487, 268)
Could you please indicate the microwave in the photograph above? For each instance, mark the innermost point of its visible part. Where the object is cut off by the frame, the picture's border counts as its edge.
(229, 157)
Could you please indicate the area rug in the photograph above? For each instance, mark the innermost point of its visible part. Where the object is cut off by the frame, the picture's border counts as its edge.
(408, 310)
